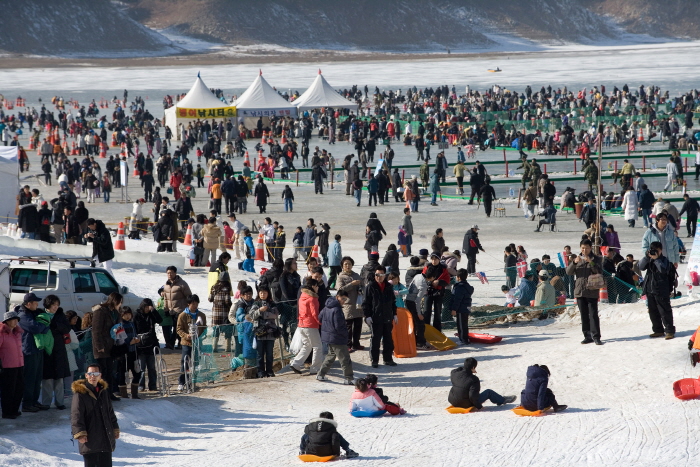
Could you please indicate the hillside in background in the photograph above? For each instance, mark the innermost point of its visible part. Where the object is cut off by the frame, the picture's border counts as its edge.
(59, 27)
(130, 27)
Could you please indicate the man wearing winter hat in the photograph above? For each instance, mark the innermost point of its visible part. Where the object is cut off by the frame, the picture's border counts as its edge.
(33, 357)
(545, 296)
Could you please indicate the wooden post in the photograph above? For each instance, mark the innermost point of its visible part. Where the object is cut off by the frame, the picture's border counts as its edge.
(598, 234)
(574, 166)
(616, 166)
(566, 151)
(332, 173)
(520, 193)
(403, 176)
(686, 164)
(545, 167)
(507, 175)
(297, 178)
(644, 163)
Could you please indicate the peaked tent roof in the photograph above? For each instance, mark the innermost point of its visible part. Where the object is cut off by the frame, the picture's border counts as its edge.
(260, 96)
(200, 97)
(321, 94)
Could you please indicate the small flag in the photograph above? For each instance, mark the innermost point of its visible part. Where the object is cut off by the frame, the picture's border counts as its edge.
(561, 260)
(522, 268)
(482, 277)
(566, 258)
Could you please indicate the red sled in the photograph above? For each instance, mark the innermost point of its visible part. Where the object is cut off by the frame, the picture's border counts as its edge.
(484, 338)
(686, 389)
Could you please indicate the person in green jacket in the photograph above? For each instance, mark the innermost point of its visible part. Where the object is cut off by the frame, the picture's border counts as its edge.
(591, 176)
(167, 320)
(425, 174)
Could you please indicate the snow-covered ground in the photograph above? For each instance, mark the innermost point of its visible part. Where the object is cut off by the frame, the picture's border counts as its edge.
(621, 409)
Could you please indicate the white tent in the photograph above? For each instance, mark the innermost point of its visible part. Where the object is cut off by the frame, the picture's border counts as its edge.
(321, 94)
(261, 100)
(198, 104)
(9, 180)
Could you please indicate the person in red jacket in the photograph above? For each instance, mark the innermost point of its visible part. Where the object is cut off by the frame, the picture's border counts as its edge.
(436, 290)
(175, 182)
(309, 328)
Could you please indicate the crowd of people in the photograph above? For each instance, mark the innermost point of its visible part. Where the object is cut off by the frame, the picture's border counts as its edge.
(113, 345)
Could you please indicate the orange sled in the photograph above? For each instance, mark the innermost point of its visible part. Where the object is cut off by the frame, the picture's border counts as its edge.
(520, 410)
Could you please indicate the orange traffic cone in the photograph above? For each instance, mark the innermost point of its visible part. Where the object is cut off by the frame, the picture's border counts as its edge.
(103, 150)
(188, 236)
(640, 138)
(284, 140)
(314, 252)
(246, 161)
(31, 143)
(64, 146)
(120, 244)
(260, 248)
(114, 139)
(264, 138)
(603, 295)
(260, 159)
(74, 149)
(123, 152)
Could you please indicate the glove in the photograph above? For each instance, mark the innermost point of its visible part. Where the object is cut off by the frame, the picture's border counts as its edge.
(368, 321)
(396, 320)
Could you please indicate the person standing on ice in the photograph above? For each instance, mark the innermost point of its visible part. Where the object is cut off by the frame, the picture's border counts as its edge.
(466, 388)
(379, 309)
(583, 266)
(659, 281)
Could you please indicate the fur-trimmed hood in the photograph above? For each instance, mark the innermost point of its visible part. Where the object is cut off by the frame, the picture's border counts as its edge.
(80, 387)
(326, 420)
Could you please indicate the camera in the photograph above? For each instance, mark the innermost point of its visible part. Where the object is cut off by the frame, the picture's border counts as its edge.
(652, 252)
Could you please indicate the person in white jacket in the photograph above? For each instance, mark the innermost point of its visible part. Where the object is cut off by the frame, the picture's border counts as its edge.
(136, 217)
(630, 205)
(671, 174)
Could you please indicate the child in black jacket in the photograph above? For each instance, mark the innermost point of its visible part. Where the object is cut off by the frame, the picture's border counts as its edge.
(321, 438)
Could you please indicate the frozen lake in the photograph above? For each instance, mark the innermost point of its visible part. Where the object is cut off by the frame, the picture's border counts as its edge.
(669, 65)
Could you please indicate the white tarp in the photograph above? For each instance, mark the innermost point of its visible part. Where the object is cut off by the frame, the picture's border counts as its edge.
(261, 100)
(198, 104)
(9, 153)
(9, 181)
(321, 94)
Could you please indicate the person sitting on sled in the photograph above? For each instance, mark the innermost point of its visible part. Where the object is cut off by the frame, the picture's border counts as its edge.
(365, 399)
(321, 438)
(465, 392)
(391, 407)
(536, 395)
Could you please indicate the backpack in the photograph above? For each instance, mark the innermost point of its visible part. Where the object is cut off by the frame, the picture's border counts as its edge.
(672, 277)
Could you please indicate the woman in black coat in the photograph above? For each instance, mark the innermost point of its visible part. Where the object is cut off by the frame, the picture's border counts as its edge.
(261, 195)
(92, 419)
(56, 362)
(145, 322)
(465, 392)
(391, 259)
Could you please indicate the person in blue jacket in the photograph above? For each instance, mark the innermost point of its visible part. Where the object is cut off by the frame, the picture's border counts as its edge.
(33, 357)
(527, 289)
(462, 304)
(536, 395)
(249, 262)
(334, 333)
(335, 254)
